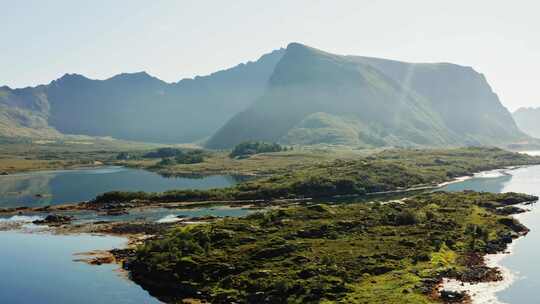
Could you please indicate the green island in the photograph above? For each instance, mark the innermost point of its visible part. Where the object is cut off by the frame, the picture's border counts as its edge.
(383, 172)
(362, 251)
(393, 252)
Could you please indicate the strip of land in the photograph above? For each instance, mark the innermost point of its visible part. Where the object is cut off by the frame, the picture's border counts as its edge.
(384, 172)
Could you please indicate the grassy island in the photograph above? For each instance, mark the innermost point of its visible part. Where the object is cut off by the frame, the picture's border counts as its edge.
(391, 170)
(394, 252)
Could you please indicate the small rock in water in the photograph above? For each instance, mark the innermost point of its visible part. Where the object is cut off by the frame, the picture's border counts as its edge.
(54, 219)
(452, 296)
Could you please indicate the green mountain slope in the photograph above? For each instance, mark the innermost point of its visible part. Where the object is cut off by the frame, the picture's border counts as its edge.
(462, 96)
(528, 120)
(140, 107)
(318, 97)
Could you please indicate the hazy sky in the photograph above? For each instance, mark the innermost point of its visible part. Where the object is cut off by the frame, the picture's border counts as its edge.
(42, 40)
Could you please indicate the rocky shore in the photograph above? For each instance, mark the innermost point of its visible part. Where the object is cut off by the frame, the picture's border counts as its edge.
(485, 276)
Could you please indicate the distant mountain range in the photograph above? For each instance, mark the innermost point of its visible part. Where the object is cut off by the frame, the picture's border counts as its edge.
(528, 120)
(297, 95)
(317, 97)
(135, 106)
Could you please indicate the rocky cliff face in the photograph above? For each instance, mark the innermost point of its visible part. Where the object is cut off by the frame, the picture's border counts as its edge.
(318, 97)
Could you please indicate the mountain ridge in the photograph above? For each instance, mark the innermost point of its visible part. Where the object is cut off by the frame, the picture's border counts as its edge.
(386, 102)
(138, 106)
(294, 95)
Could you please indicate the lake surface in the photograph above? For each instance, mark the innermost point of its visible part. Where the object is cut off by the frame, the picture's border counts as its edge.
(39, 268)
(57, 187)
(523, 262)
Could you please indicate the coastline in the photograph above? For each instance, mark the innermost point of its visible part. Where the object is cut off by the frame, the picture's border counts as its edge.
(486, 292)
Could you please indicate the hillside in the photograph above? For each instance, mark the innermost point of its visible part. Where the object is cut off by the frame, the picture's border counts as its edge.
(24, 115)
(317, 97)
(528, 120)
(136, 106)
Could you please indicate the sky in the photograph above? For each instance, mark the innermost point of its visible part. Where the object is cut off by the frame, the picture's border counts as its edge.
(42, 40)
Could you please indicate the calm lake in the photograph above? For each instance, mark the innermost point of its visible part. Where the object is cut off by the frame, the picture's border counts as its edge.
(57, 187)
(39, 268)
(523, 262)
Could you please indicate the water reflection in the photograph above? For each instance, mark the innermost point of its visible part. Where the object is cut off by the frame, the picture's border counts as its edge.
(57, 187)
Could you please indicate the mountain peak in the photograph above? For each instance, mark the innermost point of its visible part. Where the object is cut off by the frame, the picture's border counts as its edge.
(143, 75)
(299, 48)
(72, 76)
(295, 45)
(69, 78)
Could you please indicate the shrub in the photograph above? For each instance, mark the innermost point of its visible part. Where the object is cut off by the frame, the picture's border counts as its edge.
(255, 147)
(162, 153)
(406, 217)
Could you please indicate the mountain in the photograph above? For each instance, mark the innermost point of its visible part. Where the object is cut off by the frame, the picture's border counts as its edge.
(317, 97)
(136, 106)
(528, 120)
(24, 114)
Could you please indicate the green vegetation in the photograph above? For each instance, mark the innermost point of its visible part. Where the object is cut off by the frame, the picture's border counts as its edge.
(170, 156)
(190, 157)
(220, 162)
(163, 153)
(392, 170)
(25, 154)
(255, 147)
(332, 129)
(358, 253)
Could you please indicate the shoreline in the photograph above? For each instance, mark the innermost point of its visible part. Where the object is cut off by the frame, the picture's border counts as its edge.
(486, 292)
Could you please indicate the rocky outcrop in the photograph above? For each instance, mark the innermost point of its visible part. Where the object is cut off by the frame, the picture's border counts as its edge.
(54, 219)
